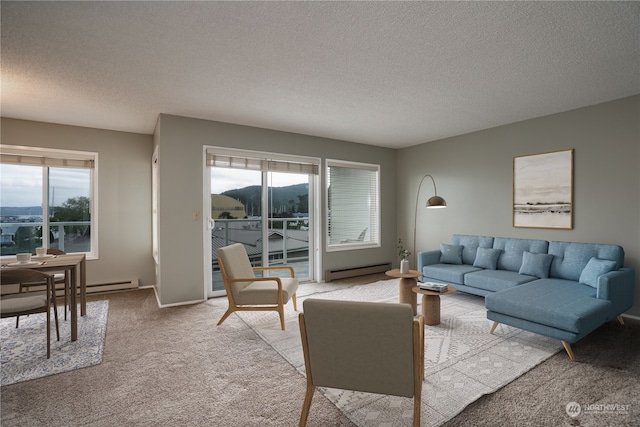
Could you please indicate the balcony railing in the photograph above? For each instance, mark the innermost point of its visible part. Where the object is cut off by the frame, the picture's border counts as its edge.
(288, 243)
(69, 236)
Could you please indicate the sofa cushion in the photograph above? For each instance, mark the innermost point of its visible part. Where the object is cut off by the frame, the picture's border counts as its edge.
(536, 265)
(451, 273)
(495, 280)
(487, 258)
(512, 249)
(570, 258)
(594, 269)
(450, 254)
(470, 245)
(562, 304)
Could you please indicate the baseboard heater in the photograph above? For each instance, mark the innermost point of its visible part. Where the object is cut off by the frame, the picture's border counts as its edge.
(97, 287)
(111, 286)
(343, 273)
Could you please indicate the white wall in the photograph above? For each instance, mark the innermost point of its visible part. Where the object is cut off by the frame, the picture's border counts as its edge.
(124, 178)
(473, 173)
(181, 141)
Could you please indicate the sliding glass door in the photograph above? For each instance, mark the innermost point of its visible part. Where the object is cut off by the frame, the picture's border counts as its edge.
(264, 204)
(288, 222)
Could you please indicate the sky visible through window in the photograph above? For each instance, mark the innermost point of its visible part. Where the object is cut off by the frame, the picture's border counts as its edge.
(21, 186)
(225, 179)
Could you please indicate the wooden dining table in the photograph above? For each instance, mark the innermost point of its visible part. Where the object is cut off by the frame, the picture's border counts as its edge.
(74, 265)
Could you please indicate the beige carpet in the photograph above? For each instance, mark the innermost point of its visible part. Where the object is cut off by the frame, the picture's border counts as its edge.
(173, 366)
(462, 360)
(170, 367)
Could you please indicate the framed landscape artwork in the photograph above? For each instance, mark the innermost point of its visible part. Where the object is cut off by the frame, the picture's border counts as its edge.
(543, 190)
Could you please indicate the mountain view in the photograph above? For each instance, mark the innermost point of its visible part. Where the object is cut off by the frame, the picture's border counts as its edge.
(284, 201)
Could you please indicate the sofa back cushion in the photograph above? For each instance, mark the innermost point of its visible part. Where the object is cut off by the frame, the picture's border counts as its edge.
(512, 249)
(570, 258)
(470, 245)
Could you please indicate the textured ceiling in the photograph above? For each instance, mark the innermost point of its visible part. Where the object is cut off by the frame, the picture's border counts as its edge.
(392, 74)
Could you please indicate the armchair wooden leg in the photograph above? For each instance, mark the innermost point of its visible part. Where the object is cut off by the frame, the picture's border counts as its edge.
(567, 347)
(295, 302)
(493, 327)
(417, 397)
(224, 317)
(621, 320)
(306, 405)
(281, 313)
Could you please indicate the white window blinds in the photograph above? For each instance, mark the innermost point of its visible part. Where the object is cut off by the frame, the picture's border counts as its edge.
(353, 204)
(264, 164)
(41, 157)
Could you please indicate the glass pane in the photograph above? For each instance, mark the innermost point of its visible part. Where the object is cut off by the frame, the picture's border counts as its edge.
(289, 221)
(70, 209)
(20, 208)
(236, 205)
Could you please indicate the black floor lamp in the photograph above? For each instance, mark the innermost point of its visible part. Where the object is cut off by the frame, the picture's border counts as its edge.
(434, 202)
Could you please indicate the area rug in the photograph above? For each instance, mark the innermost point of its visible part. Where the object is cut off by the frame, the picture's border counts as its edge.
(24, 350)
(462, 360)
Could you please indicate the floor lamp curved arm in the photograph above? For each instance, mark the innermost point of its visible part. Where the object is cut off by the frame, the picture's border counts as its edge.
(433, 202)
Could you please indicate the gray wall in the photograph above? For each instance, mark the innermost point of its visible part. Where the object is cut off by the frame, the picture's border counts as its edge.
(124, 182)
(473, 173)
(181, 141)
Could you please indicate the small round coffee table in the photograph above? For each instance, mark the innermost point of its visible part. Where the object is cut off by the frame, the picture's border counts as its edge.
(407, 282)
(431, 304)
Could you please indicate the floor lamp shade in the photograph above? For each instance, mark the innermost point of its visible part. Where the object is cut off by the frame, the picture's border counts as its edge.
(434, 202)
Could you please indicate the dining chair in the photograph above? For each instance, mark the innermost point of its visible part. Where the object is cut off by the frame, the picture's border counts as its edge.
(59, 278)
(24, 303)
(246, 292)
(362, 346)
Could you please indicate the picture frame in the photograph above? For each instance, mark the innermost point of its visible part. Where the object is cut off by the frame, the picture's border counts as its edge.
(543, 190)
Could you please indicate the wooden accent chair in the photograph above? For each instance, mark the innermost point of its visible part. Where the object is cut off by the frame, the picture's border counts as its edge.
(23, 303)
(59, 278)
(362, 346)
(246, 292)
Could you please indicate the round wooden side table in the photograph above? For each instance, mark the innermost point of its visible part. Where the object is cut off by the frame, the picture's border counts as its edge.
(407, 282)
(431, 304)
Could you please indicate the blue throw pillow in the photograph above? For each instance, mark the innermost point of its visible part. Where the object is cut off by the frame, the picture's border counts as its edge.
(450, 254)
(536, 264)
(487, 258)
(594, 269)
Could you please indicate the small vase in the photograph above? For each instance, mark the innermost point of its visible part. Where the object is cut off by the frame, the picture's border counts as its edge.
(404, 266)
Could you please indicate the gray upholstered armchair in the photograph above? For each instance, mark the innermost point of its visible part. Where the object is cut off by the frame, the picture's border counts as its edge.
(362, 346)
(246, 292)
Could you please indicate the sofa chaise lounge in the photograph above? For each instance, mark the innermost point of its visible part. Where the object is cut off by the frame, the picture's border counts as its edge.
(563, 290)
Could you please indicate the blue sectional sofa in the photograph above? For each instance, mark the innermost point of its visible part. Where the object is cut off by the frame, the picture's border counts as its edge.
(564, 290)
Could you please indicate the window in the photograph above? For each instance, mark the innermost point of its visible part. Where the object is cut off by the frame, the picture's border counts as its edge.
(47, 198)
(353, 205)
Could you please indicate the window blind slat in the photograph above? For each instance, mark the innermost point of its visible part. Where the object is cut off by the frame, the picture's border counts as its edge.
(16, 159)
(33, 156)
(268, 165)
